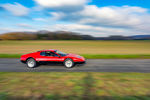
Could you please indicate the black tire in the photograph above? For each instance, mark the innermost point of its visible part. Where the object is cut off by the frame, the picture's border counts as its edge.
(70, 63)
(31, 63)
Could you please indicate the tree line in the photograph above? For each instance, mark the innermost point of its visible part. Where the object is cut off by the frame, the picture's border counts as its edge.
(64, 35)
(43, 36)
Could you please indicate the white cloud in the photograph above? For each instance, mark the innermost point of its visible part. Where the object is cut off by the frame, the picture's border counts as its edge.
(63, 5)
(9, 29)
(92, 30)
(125, 16)
(60, 3)
(16, 9)
(24, 25)
(57, 15)
(133, 19)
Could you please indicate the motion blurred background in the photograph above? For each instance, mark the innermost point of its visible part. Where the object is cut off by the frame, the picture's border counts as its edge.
(95, 29)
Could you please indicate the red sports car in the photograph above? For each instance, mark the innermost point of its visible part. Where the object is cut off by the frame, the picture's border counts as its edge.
(69, 60)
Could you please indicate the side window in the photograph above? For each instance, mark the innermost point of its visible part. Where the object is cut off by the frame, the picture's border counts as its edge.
(54, 54)
(48, 53)
(43, 53)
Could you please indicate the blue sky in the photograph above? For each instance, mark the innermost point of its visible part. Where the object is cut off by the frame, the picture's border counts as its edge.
(93, 17)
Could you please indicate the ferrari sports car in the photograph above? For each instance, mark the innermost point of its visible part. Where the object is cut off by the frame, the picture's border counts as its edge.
(36, 58)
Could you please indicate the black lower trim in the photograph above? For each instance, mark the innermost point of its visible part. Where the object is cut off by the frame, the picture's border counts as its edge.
(81, 62)
(52, 62)
(49, 62)
(22, 61)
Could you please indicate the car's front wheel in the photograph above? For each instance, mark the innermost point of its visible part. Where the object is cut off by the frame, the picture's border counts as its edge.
(68, 63)
(31, 63)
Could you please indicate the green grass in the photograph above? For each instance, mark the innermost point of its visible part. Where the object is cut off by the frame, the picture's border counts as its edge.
(91, 56)
(74, 86)
(113, 56)
(88, 49)
(10, 55)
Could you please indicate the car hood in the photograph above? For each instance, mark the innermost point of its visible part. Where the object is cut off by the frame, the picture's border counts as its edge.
(73, 55)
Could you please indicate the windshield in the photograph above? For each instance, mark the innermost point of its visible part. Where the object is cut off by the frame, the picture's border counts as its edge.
(61, 53)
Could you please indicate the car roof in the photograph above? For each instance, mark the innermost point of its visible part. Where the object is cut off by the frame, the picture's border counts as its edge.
(49, 50)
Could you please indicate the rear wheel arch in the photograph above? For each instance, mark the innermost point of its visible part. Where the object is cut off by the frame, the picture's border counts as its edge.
(31, 62)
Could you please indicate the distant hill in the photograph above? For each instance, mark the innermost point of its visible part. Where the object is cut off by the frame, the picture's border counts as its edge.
(64, 35)
(140, 37)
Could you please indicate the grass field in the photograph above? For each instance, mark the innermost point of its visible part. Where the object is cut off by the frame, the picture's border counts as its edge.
(90, 49)
(74, 86)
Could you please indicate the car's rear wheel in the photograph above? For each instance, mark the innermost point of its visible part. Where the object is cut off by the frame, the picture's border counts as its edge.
(68, 63)
(31, 63)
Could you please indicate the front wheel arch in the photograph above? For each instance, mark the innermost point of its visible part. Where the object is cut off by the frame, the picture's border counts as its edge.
(73, 63)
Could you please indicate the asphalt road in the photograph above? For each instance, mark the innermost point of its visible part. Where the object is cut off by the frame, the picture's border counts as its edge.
(92, 65)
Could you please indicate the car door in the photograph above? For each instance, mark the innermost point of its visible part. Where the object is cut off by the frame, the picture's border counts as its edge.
(49, 56)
